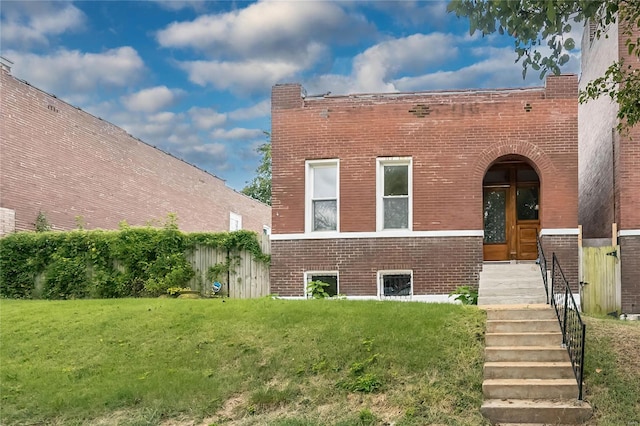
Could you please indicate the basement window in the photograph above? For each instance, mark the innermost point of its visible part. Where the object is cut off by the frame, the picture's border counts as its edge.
(394, 284)
(330, 278)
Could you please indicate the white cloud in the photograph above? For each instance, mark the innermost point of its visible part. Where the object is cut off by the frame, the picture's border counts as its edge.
(174, 5)
(70, 72)
(252, 48)
(421, 13)
(261, 109)
(206, 118)
(265, 29)
(244, 76)
(236, 133)
(374, 69)
(152, 99)
(216, 149)
(26, 24)
(497, 70)
(213, 156)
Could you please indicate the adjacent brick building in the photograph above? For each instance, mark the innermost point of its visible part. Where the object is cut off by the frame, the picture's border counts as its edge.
(404, 195)
(70, 165)
(609, 163)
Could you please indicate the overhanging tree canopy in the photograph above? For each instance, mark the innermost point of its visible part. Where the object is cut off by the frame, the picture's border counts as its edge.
(541, 31)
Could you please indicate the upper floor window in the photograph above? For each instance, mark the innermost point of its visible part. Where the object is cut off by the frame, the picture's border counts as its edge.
(235, 222)
(394, 188)
(321, 202)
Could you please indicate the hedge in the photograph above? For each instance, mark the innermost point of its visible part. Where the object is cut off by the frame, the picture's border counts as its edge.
(130, 262)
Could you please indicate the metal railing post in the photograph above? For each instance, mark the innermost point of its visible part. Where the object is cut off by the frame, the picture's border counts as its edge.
(584, 335)
(564, 322)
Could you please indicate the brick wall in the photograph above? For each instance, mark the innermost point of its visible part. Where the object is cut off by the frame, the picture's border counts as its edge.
(451, 146)
(596, 124)
(66, 163)
(452, 138)
(609, 163)
(609, 176)
(630, 273)
(439, 265)
(566, 249)
(629, 167)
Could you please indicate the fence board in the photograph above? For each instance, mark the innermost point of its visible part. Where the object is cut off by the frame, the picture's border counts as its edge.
(247, 278)
(601, 280)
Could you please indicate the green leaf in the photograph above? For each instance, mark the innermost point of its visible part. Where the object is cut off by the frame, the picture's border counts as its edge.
(551, 11)
(563, 59)
(569, 44)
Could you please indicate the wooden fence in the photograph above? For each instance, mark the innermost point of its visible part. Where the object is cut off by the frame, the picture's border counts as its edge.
(246, 277)
(600, 275)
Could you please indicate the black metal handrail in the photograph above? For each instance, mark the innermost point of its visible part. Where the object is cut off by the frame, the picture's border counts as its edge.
(542, 261)
(573, 329)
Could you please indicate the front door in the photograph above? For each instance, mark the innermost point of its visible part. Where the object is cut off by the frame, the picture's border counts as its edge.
(511, 193)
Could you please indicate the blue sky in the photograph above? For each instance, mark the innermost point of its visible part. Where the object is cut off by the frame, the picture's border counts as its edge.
(194, 78)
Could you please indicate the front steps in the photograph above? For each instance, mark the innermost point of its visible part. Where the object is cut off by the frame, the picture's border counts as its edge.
(528, 377)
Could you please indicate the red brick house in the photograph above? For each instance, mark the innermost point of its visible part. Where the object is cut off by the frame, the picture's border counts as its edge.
(609, 164)
(68, 164)
(404, 195)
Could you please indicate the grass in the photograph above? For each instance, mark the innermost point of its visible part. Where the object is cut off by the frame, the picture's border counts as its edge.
(239, 362)
(612, 371)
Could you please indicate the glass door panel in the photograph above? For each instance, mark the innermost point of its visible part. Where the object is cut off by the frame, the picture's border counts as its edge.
(495, 215)
(527, 202)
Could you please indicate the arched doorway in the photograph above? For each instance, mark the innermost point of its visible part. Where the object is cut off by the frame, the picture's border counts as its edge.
(511, 209)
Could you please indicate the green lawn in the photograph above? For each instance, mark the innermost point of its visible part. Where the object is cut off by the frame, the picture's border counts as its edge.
(612, 371)
(254, 362)
(240, 362)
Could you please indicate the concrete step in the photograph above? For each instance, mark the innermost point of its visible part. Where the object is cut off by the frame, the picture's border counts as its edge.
(530, 389)
(529, 280)
(528, 370)
(511, 291)
(516, 326)
(514, 276)
(525, 354)
(511, 300)
(510, 267)
(525, 411)
(538, 311)
(552, 339)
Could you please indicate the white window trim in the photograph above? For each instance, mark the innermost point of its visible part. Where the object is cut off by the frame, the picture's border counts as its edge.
(238, 218)
(308, 205)
(266, 230)
(380, 163)
(380, 286)
(307, 279)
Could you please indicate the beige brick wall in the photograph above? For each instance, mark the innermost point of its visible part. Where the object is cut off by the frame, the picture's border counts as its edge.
(65, 162)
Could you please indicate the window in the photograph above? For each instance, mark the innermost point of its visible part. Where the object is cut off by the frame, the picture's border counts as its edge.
(394, 189)
(395, 283)
(322, 196)
(235, 222)
(330, 278)
(266, 230)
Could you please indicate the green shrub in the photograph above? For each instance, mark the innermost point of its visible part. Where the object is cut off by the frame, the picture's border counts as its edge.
(466, 295)
(65, 278)
(130, 262)
(317, 290)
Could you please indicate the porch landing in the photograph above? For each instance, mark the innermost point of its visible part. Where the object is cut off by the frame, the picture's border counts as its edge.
(506, 283)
